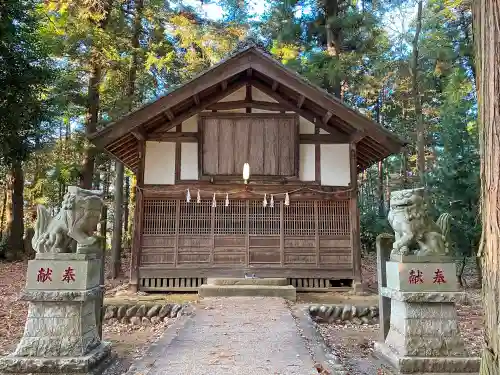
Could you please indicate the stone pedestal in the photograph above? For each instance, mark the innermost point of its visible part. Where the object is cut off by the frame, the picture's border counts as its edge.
(423, 336)
(60, 335)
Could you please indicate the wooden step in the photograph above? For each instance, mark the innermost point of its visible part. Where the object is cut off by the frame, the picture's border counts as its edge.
(242, 281)
(209, 290)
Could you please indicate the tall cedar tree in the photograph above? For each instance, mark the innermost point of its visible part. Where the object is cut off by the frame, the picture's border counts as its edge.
(24, 76)
(487, 40)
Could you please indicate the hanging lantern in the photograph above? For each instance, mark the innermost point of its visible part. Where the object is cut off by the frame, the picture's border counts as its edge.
(246, 172)
(227, 199)
(271, 204)
(214, 202)
(287, 200)
(188, 196)
(264, 203)
(198, 198)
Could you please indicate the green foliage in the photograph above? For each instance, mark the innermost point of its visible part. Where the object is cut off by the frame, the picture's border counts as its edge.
(365, 60)
(25, 75)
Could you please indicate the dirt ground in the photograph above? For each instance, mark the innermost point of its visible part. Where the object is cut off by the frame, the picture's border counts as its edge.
(353, 344)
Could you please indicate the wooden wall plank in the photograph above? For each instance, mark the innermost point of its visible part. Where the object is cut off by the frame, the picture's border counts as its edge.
(287, 148)
(226, 147)
(241, 144)
(268, 142)
(211, 146)
(256, 154)
(271, 147)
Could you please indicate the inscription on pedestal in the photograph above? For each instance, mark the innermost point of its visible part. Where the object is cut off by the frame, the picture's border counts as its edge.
(417, 277)
(51, 274)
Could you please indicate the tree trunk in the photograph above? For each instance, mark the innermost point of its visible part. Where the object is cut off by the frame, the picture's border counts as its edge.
(333, 40)
(15, 225)
(116, 246)
(118, 202)
(420, 128)
(87, 173)
(486, 15)
(2, 215)
(91, 126)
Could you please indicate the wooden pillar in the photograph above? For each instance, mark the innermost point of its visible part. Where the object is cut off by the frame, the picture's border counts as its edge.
(354, 216)
(138, 220)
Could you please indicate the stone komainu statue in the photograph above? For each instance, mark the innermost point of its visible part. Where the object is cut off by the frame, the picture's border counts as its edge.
(77, 220)
(415, 233)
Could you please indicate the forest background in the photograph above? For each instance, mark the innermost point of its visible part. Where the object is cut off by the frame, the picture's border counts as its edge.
(70, 67)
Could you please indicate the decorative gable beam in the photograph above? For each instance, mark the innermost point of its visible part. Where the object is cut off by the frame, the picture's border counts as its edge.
(223, 85)
(139, 134)
(204, 104)
(271, 68)
(300, 103)
(196, 99)
(169, 114)
(275, 85)
(358, 136)
(327, 117)
(289, 105)
(237, 104)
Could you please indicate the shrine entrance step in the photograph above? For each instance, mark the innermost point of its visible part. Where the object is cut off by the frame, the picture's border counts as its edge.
(233, 287)
(247, 281)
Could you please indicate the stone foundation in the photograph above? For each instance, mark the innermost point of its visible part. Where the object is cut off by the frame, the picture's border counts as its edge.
(427, 365)
(423, 336)
(60, 334)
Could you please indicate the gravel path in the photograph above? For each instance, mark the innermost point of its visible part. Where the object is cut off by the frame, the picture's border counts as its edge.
(244, 336)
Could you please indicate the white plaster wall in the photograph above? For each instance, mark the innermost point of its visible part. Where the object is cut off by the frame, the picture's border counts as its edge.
(189, 161)
(236, 110)
(160, 163)
(335, 169)
(307, 170)
(306, 127)
(237, 95)
(190, 125)
(260, 96)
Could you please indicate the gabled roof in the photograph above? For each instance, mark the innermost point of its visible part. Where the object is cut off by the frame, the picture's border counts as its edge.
(249, 65)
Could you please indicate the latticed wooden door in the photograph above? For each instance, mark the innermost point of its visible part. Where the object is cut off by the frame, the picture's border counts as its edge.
(246, 234)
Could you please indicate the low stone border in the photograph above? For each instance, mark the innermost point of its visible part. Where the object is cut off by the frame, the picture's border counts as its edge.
(344, 314)
(141, 313)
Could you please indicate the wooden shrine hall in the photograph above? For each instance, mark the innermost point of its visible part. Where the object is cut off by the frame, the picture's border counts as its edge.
(293, 213)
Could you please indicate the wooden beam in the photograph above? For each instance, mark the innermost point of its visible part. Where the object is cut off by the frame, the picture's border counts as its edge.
(139, 134)
(138, 220)
(150, 112)
(175, 136)
(212, 99)
(323, 138)
(237, 104)
(248, 95)
(327, 117)
(272, 69)
(196, 99)
(249, 72)
(289, 105)
(300, 102)
(169, 114)
(275, 85)
(358, 136)
(354, 216)
(223, 85)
